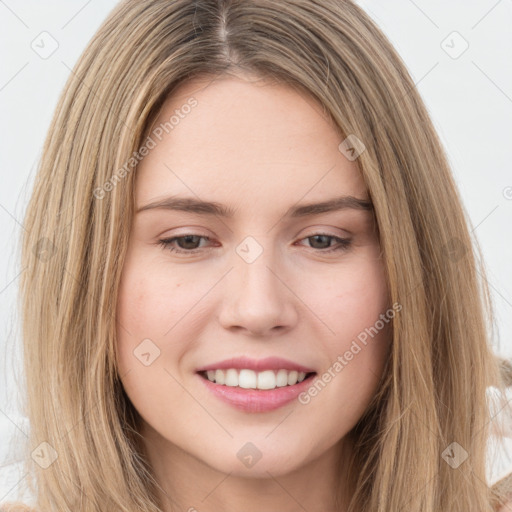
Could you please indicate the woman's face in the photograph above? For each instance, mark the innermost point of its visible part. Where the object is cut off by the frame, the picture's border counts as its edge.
(243, 276)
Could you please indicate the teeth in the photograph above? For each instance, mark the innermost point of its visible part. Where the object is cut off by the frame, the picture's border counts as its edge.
(231, 378)
(292, 377)
(267, 380)
(249, 379)
(220, 376)
(282, 378)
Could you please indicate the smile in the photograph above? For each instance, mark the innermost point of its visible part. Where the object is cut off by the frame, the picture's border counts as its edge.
(250, 379)
(252, 398)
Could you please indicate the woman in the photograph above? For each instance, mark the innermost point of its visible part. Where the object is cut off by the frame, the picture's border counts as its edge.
(252, 369)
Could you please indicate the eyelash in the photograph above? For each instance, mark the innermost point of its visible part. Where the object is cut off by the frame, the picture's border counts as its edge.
(343, 243)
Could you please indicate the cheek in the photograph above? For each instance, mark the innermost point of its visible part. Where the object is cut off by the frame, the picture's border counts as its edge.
(146, 310)
(350, 300)
(156, 310)
(150, 301)
(367, 313)
(356, 311)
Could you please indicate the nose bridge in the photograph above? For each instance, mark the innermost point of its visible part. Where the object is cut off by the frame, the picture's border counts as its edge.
(256, 297)
(255, 281)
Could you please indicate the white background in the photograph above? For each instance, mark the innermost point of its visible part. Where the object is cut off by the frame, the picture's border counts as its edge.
(468, 97)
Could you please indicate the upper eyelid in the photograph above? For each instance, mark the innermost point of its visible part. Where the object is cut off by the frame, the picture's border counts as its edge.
(317, 229)
(315, 233)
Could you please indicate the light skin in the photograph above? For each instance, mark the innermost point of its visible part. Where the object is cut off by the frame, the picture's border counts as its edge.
(259, 149)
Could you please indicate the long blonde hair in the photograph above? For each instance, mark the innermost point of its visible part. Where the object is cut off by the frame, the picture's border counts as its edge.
(431, 407)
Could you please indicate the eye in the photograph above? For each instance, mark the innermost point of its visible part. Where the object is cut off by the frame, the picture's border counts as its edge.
(188, 244)
(322, 238)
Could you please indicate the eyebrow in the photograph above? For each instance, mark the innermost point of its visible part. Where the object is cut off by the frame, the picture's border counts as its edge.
(192, 205)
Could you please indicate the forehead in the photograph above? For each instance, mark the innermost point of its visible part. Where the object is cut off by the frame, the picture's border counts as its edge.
(245, 141)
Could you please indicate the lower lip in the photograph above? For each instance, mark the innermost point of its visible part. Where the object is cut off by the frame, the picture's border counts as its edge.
(257, 400)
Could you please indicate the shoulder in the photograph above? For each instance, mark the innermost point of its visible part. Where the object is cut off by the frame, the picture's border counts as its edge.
(502, 489)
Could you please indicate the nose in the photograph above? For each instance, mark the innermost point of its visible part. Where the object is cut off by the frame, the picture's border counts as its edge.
(258, 300)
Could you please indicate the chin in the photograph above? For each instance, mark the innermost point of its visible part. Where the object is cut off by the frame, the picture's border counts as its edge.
(258, 458)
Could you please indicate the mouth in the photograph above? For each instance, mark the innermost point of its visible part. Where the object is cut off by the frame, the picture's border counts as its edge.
(266, 380)
(242, 389)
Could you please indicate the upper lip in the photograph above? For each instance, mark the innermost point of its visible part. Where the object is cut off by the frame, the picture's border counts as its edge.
(258, 365)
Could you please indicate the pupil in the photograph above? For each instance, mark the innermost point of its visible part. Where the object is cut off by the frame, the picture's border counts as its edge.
(187, 239)
(326, 239)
